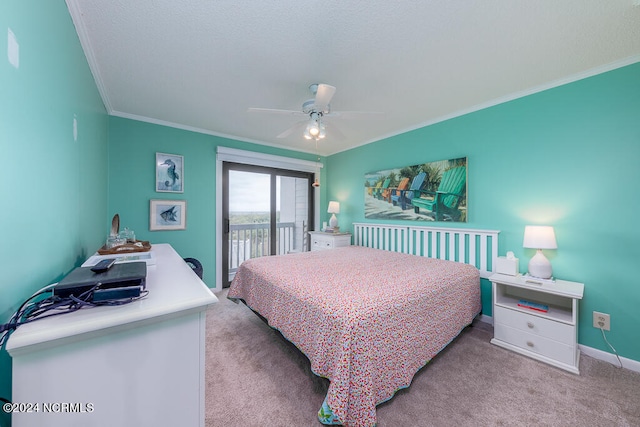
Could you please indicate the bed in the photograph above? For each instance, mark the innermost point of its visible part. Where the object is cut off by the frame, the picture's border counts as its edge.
(368, 319)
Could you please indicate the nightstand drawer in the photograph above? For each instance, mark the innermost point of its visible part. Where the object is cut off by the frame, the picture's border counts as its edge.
(535, 325)
(321, 243)
(536, 344)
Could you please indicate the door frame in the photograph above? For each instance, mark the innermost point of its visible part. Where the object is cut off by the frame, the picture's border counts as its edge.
(226, 154)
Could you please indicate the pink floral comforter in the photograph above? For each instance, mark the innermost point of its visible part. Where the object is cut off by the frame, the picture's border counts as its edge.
(367, 319)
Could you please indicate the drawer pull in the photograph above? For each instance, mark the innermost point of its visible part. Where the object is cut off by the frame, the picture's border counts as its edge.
(530, 325)
(529, 344)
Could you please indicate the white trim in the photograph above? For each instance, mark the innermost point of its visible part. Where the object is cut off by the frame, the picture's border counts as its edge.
(486, 319)
(226, 154)
(218, 286)
(203, 131)
(83, 36)
(632, 365)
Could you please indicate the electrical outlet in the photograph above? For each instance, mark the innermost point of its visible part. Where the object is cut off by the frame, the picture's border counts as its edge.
(601, 320)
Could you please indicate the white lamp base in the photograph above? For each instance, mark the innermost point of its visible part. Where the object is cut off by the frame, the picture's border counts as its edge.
(333, 221)
(539, 266)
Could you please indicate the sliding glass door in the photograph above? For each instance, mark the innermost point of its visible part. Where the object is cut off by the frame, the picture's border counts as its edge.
(266, 211)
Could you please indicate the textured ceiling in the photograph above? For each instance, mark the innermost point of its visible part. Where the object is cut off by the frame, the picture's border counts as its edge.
(200, 64)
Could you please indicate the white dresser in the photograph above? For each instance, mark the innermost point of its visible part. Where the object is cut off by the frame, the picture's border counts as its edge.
(549, 336)
(139, 364)
(321, 241)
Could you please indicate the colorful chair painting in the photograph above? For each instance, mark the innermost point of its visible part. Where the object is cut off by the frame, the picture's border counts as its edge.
(444, 202)
(404, 197)
(374, 190)
(391, 191)
(377, 193)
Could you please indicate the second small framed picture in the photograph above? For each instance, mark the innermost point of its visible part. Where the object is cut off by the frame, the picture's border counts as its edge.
(169, 173)
(167, 215)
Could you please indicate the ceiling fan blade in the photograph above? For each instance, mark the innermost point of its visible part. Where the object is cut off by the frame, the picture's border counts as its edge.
(353, 114)
(276, 111)
(323, 96)
(297, 127)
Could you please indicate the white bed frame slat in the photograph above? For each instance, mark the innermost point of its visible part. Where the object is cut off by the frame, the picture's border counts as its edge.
(476, 247)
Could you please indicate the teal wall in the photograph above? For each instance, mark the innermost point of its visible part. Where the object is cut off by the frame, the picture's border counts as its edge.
(567, 157)
(53, 187)
(132, 150)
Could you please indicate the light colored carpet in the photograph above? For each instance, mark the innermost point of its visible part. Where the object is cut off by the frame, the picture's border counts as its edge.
(254, 377)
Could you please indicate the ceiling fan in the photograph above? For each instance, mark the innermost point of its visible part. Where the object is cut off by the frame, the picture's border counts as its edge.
(316, 110)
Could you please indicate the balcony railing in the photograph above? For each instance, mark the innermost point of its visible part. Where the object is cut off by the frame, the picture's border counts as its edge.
(252, 241)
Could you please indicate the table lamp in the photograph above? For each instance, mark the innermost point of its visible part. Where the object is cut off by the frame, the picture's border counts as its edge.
(334, 208)
(539, 237)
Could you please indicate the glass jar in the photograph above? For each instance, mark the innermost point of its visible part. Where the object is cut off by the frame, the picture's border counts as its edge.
(127, 235)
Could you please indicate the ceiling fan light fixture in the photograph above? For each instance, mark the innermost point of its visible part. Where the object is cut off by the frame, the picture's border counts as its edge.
(307, 132)
(314, 127)
(315, 110)
(322, 132)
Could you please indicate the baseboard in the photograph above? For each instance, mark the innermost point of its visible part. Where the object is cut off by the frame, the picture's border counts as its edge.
(486, 319)
(632, 365)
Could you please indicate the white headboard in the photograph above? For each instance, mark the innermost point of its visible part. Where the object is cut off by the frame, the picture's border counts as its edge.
(476, 247)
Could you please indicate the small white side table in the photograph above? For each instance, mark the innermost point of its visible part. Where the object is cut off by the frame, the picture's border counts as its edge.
(551, 336)
(321, 241)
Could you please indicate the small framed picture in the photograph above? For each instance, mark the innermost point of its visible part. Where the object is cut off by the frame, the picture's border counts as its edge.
(169, 173)
(167, 215)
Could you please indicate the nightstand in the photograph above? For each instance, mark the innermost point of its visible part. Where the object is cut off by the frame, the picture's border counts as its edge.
(321, 241)
(551, 336)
